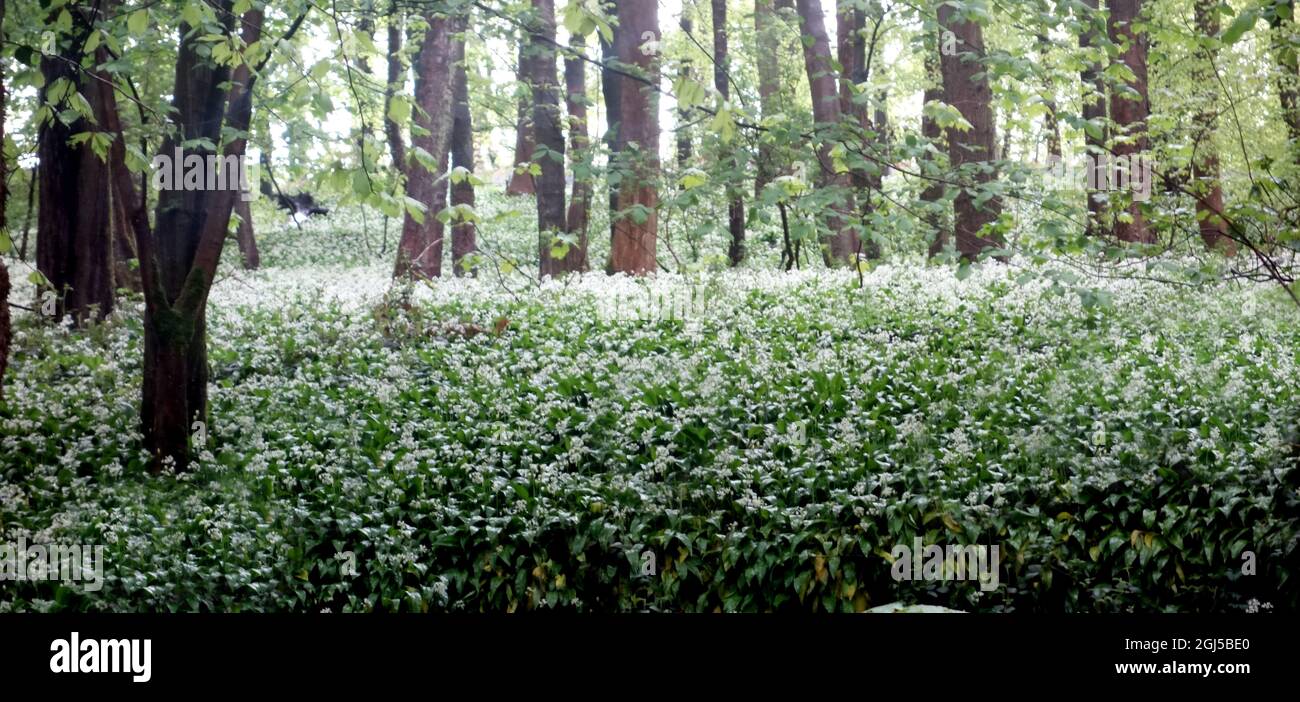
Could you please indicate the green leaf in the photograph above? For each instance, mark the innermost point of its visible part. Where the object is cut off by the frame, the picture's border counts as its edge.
(399, 110)
(137, 22)
(1244, 23)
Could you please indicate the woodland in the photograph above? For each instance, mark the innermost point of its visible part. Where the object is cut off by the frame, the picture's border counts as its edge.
(651, 305)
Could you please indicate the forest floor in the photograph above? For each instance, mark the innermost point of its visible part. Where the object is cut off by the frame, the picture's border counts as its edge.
(715, 440)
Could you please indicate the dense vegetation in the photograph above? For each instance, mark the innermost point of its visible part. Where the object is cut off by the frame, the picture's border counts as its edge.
(662, 305)
(768, 449)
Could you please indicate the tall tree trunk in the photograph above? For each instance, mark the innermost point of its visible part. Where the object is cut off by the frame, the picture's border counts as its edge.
(177, 268)
(548, 130)
(176, 362)
(396, 81)
(464, 234)
(420, 251)
(933, 193)
(1284, 27)
(842, 243)
(1051, 123)
(966, 87)
(684, 72)
(1094, 110)
(521, 181)
(1130, 115)
(1206, 185)
(769, 86)
(722, 81)
(5, 324)
(611, 89)
(850, 34)
(248, 252)
(5, 331)
(74, 247)
(575, 85)
(125, 275)
(634, 246)
(773, 89)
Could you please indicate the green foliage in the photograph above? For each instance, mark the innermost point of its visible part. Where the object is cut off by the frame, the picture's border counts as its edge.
(760, 439)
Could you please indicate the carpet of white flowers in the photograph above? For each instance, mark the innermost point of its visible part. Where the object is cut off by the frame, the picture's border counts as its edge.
(744, 441)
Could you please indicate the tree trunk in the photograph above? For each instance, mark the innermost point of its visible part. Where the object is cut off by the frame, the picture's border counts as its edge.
(548, 131)
(5, 332)
(178, 267)
(464, 233)
(966, 87)
(1130, 115)
(5, 328)
(1094, 110)
(854, 72)
(722, 81)
(1288, 81)
(842, 243)
(420, 250)
(124, 249)
(244, 236)
(74, 247)
(769, 86)
(1206, 186)
(774, 91)
(611, 89)
(396, 81)
(521, 181)
(176, 364)
(684, 72)
(933, 193)
(1051, 124)
(575, 84)
(634, 246)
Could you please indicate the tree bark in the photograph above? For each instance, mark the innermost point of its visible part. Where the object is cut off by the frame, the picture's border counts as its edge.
(611, 90)
(177, 269)
(1130, 115)
(74, 247)
(842, 243)
(684, 72)
(1051, 123)
(548, 130)
(396, 81)
(967, 89)
(769, 86)
(464, 233)
(854, 72)
(1206, 187)
(634, 246)
(722, 81)
(521, 181)
(575, 84)
(1288, 81)
(773, 88)
(248, 252)
(5, 324)
(176, 364)
(934, 190)
(1094, 110)
(124, 250)
(5, 329)
(420, 250)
